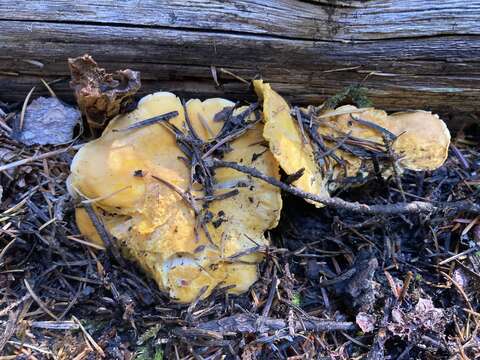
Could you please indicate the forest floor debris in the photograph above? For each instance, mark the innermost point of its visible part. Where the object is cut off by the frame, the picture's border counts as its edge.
(409, 279)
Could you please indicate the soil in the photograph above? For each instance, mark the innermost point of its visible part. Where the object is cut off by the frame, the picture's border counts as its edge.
(335, 284)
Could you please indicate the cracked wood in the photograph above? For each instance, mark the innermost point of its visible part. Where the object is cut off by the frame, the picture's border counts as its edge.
(411, 53)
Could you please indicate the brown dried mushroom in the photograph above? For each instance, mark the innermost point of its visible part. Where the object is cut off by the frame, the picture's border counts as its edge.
(101, 95)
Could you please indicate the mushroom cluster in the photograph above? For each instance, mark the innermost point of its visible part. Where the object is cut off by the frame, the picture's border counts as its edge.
(140, 184)
(194, 233)
(346, 141)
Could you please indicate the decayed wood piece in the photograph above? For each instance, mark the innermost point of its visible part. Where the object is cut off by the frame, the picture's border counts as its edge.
(411, 54)
(245, 323)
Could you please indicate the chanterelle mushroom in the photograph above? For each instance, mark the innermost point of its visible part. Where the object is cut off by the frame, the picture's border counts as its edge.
(418, 139)
(139, 181)
(287, 143)
(421, 142)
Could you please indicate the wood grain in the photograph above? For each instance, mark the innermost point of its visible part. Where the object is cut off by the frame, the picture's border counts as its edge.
(410, 53)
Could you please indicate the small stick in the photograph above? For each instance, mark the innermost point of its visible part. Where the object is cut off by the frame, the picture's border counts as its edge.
(89, 337)
(213, 70)
(271, 295)
(225, 71)
(463, 162)
(5, 249)
(46, 155)
(164, 117)
(456, 256)
(223, 141)
(102, 232)
(459, 288)
(4, 125)
(180, 192)
(246, 323)
(24, 108)
(413, 207)
(86, 243)
(13, 305)
(52, 93)
(392, 284)
(298, 116)
(406, 284)
(38, 301)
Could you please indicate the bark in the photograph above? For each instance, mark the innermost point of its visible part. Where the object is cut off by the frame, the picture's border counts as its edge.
(409, 53)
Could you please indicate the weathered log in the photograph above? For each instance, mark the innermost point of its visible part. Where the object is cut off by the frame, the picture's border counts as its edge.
(409, 53)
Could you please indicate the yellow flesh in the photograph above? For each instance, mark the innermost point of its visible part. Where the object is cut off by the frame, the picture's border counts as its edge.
(286, 142)
(153, 223)
(422, 143)
(422, 138)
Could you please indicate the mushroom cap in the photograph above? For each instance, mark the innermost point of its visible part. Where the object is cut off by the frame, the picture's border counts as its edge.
(153, 223)
(422, 137)
(421, 144)
(287, 144)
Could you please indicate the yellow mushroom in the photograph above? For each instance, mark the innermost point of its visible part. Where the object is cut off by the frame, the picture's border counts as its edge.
(139, 184)
(419, 139)
(422, 138)
(287, 143)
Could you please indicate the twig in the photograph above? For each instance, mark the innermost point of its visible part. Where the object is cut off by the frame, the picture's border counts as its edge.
(102, 232)
(38, 301)
(13, 305)
(154, 120)
(392, 284)
(456, 256)
(9, 329)
(24, 108)
(225, 71)
(52, 93)
(5, 249)
(183, 194)
(55, 325)
(342, 277)
(414, 207)
(247, 323)
(89, 337)
(298, 116)
(46, 155)
(271, 295)
(460, 290)
(463, 162)
(406, 284)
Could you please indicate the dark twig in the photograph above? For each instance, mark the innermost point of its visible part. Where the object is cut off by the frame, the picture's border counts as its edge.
(103, 233)
(150, 121)
(414, 207)
(271, 295)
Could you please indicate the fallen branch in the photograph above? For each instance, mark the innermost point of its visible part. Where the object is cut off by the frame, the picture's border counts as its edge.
(248, 323)
(414, 207)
